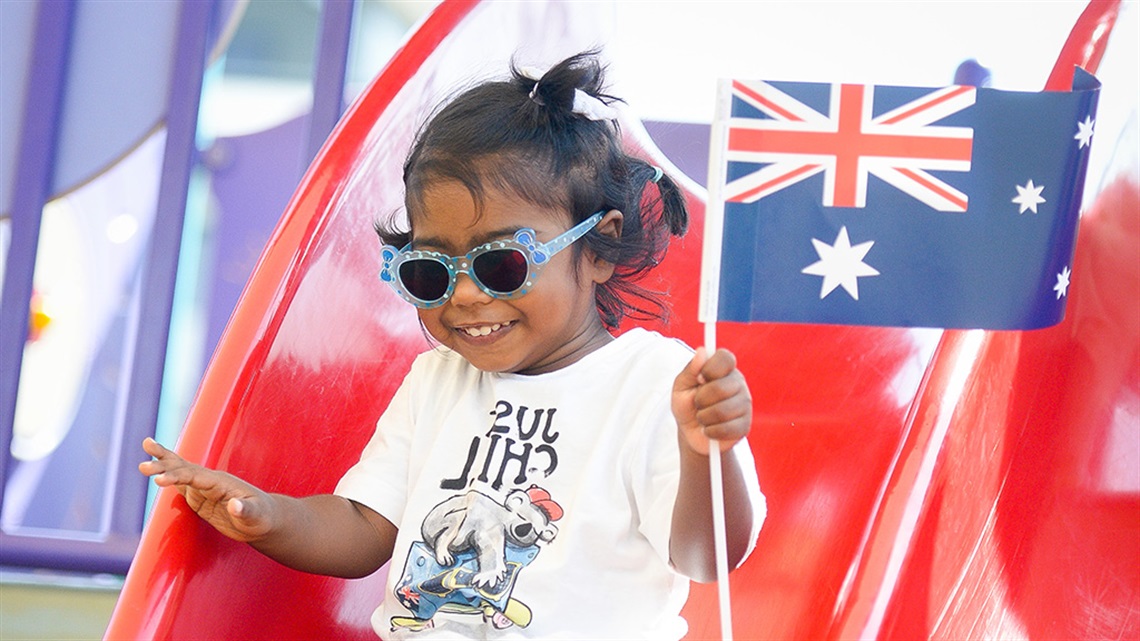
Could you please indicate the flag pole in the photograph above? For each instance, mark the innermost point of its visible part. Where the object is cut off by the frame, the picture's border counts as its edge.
(710, 287)
(716, 482)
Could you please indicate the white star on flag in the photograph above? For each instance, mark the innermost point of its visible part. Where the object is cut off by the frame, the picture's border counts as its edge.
(1062, 286)
(840, 264)
(1085, 132)
(1028, 197)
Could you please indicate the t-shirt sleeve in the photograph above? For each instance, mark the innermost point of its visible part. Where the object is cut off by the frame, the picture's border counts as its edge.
(656, 492)
(655, 475)
(380, 479)
(743, 452)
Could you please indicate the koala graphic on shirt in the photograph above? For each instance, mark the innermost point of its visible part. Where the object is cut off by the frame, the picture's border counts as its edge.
(476, 521)
(478, 546)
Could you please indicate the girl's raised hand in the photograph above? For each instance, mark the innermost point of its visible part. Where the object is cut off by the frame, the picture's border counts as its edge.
(711, 401)
(235, 508)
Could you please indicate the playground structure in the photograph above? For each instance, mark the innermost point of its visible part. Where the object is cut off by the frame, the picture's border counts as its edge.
(921, 483)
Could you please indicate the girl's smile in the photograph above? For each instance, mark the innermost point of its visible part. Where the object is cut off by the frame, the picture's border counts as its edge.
(484, 331)
(555, 324)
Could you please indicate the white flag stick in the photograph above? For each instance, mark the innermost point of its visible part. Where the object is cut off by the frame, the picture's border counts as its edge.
(721, 544)
(720, 538)
(710, 286)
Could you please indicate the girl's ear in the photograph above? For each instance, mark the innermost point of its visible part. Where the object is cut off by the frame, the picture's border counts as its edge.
(609, 225)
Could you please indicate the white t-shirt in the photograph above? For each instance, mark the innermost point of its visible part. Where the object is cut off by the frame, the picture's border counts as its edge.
(530, 506)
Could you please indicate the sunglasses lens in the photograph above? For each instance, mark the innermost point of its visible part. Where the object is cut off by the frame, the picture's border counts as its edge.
(501, 270)
(425, 279)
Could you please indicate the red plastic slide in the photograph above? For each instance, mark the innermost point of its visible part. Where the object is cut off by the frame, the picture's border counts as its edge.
(921, 484)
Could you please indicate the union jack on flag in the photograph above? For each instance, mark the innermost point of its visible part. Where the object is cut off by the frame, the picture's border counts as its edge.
(904, 206)
(848, 143)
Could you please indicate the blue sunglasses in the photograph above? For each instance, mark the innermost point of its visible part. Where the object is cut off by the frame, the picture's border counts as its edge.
(503, 269)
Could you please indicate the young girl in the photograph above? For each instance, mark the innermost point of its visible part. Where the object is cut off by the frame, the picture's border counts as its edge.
(533, 476)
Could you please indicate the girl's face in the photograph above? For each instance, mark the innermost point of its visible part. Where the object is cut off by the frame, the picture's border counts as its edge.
(553, 325)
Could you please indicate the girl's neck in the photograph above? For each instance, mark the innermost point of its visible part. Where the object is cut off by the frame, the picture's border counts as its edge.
(594, 337)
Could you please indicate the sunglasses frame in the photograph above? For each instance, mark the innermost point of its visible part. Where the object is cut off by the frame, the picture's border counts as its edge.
(524, 241)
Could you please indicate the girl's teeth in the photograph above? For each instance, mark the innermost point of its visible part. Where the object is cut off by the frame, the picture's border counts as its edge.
(482, 331)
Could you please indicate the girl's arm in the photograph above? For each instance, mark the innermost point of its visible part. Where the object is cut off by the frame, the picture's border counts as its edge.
(711, 401)
(322, 534)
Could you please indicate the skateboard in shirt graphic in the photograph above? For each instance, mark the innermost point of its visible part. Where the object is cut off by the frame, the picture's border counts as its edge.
(472, 551)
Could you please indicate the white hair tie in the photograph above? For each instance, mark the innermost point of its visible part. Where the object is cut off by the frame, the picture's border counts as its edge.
(591, 107)
(584, 104)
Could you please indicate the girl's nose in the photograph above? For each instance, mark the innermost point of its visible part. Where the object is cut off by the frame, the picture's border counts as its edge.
(467, 292)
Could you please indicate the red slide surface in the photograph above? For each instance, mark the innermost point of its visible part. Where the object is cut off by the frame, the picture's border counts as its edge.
(920, 483)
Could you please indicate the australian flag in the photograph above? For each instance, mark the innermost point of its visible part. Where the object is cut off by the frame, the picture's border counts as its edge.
(875, 205)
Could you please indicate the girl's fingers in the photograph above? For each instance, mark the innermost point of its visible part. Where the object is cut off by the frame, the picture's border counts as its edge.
(690, 377)
(250, 516)
(720, 364)
(154, 448)
(726, 412)
(159, 463)
(163, 458)
(168, 469)
(721, 389)
(246, 511)
(711, 400)
(724, 400)
(724, 403)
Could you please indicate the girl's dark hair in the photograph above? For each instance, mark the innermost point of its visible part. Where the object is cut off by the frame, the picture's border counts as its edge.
(524, 138)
